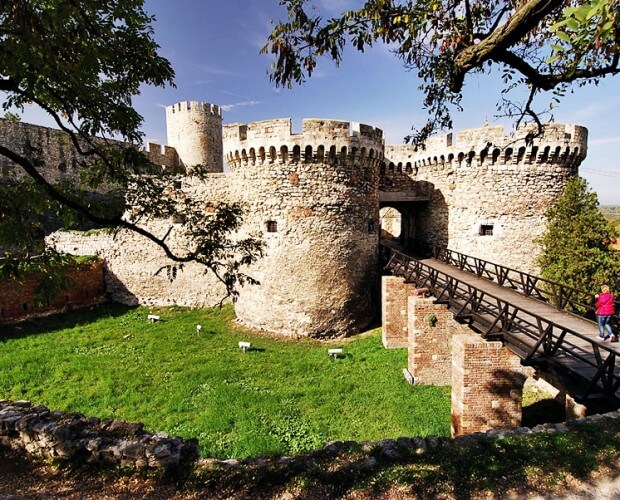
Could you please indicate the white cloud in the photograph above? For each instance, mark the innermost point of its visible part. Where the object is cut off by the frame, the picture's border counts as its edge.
(230, 107)
(604, 140)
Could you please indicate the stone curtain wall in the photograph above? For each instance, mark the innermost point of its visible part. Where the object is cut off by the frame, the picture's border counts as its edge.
(73, 437)
(19, 300)
(48, 148)
(314, 198)
(54, 155)
(138, 272)
(484, 177)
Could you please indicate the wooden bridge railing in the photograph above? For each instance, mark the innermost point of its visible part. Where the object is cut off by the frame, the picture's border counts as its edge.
(535, 339)
(562, 297)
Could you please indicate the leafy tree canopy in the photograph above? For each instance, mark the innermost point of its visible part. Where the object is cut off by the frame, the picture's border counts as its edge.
(82, 62)
(542, 45)
(575, 247)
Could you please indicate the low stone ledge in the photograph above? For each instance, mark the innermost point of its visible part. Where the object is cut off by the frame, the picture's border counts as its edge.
(74, 437)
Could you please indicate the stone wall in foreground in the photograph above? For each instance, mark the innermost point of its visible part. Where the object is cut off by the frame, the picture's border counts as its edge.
(72, 437)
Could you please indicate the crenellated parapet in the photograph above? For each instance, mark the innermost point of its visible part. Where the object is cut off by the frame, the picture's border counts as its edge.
(321, 141)
(165, 157)
(559, 145)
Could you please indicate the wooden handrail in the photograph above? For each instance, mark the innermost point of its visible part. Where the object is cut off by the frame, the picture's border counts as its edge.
(562, 297)
(496, 316)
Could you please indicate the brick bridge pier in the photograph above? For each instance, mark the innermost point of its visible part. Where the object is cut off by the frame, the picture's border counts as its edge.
(487, 379)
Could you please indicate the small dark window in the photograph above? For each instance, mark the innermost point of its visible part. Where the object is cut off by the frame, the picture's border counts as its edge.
(178, 219)
(371, 227)
(177, 184)
(272, 226)
(486, 230)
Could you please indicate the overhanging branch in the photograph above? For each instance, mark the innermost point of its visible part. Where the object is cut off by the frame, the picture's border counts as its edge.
(525, 18)
(116, 221)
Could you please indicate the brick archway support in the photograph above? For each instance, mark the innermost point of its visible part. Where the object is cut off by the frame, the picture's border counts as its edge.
(394, 303)
(487, 386)
(431, 328)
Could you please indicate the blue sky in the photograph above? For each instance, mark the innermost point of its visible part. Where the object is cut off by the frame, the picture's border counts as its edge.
(214, 46)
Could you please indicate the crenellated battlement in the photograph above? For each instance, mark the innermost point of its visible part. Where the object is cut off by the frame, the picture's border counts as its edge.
(163, 156)
(194, 107)
(560, 145)
(321, 141)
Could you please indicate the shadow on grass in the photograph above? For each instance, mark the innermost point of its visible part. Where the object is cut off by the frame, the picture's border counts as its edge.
(526, 464)
(61, 321)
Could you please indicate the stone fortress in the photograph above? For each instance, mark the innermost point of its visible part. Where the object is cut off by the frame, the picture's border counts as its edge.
(321, 199)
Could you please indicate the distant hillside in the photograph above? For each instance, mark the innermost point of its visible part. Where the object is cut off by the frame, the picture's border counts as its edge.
(611, 212)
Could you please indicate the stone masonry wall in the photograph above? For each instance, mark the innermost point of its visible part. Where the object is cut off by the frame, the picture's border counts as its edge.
(137, 270)
(484, 177)
(19, 300)
(107, 442)
(71, 437)
(394, 304)
(430, 345)
(487, 386)
(314, 198)
(54, 155)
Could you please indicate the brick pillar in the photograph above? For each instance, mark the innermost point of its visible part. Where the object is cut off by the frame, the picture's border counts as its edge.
(487, 386)
(394, 295)
(431, 327)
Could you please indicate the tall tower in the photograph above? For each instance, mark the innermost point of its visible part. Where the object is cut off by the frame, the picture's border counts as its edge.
(314, 196)
(195, 131)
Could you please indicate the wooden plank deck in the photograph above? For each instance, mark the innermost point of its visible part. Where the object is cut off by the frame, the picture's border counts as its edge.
(515, 298)
(574, 346)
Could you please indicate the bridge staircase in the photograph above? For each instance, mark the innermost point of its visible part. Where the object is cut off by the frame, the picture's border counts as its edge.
(536, 319)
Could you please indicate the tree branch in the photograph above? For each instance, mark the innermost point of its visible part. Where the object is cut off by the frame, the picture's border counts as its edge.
(544, 81)
(117, 221)
(518, 25)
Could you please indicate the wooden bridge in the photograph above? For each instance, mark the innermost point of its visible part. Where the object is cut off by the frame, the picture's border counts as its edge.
(536, 319)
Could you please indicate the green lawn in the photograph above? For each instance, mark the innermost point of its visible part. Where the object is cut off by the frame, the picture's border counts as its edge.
(283, 397)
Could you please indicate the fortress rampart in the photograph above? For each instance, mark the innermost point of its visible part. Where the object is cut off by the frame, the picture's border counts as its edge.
(55, 156)
(315, 199)
(49, 149)
(485, 192)
(321, 141)
(564, 145)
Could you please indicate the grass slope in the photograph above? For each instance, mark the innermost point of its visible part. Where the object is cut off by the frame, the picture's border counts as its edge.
(283, 397)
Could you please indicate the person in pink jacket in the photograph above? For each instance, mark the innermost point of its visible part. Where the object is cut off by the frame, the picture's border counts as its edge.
(605, 309)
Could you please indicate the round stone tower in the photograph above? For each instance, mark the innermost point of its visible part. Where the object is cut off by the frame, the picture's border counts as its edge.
(195, 131)
(314, 197)
(483, 192)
